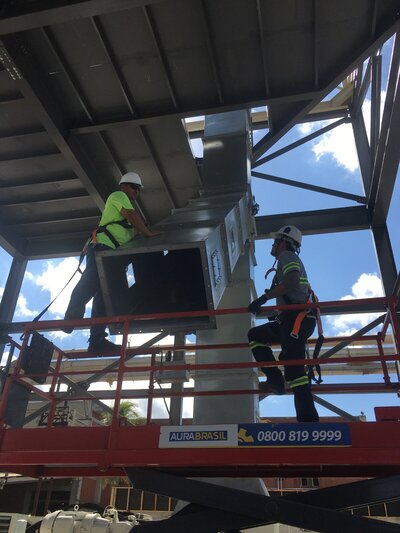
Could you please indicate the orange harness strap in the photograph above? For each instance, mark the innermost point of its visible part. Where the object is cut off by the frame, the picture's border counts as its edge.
(301, 316)
(297, 324)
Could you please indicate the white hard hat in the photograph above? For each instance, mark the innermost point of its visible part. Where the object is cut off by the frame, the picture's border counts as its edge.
(131, 177)
(290, 232)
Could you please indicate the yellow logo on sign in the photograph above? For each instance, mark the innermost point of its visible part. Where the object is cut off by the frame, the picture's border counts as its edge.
(243, 437)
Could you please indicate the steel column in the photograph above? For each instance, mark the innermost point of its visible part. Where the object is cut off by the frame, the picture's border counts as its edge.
(387, 154)
(10, 295)
(386, 261)
(376, 75)
(363, 150)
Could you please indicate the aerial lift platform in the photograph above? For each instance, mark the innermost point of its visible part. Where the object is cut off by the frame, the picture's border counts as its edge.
(93, 88)
(162, 458)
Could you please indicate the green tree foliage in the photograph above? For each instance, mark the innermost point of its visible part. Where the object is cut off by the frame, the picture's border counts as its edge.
(129, 412)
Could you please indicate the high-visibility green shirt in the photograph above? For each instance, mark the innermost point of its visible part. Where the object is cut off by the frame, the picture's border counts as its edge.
(112, 213)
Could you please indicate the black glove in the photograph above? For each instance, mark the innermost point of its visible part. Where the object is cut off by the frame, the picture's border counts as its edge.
(255, 306)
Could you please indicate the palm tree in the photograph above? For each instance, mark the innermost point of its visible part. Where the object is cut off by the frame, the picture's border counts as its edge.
(128, 411)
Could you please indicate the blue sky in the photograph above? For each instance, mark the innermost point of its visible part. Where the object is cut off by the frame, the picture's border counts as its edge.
(339, 265)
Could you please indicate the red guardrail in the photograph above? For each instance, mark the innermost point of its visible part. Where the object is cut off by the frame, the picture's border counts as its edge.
(119, 367)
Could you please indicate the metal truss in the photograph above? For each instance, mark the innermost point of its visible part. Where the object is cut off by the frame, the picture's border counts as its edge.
(379, 161)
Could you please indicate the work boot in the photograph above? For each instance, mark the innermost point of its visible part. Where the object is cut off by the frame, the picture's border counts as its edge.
(102, 346)
(73, 313)
(268, 387)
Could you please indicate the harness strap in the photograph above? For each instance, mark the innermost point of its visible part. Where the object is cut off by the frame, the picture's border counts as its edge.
(297, 324)
(92, 239)
(103, 229)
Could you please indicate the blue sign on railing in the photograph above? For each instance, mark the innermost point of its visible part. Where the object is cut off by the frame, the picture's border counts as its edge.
(297, 434)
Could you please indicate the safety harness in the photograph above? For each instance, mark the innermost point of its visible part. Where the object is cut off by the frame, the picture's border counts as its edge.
(91, 240)
(298, 322)
(103, 229)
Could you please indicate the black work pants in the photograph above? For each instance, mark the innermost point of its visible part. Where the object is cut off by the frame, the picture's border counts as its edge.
(279, 332)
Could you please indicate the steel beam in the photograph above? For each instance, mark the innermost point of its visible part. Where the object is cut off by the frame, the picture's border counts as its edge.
(262, 46)
(29, 16)
(129, 100)
(72, 81)
(309, 187)
(126, 93)
(187, 113)
(148, 15)
(335, 409)
(212, 55)
(361, 90)
(48, 111)
(78, 93)
(353, 337)
(316, 222)
(301, 141)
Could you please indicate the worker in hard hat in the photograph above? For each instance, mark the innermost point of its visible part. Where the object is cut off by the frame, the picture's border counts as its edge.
(289, 328)
(118, 225)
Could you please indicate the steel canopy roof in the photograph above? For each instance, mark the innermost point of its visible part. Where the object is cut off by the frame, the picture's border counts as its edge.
(91, 89)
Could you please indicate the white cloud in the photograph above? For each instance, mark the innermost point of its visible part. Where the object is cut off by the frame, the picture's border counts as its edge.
(306, 128)
(340, 146)
(53, 278)
(22, 309)
(367, 286)
(338, 143)
(58, 335)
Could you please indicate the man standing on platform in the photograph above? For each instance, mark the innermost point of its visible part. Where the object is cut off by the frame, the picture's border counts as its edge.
(290, 329)
(118, 225)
